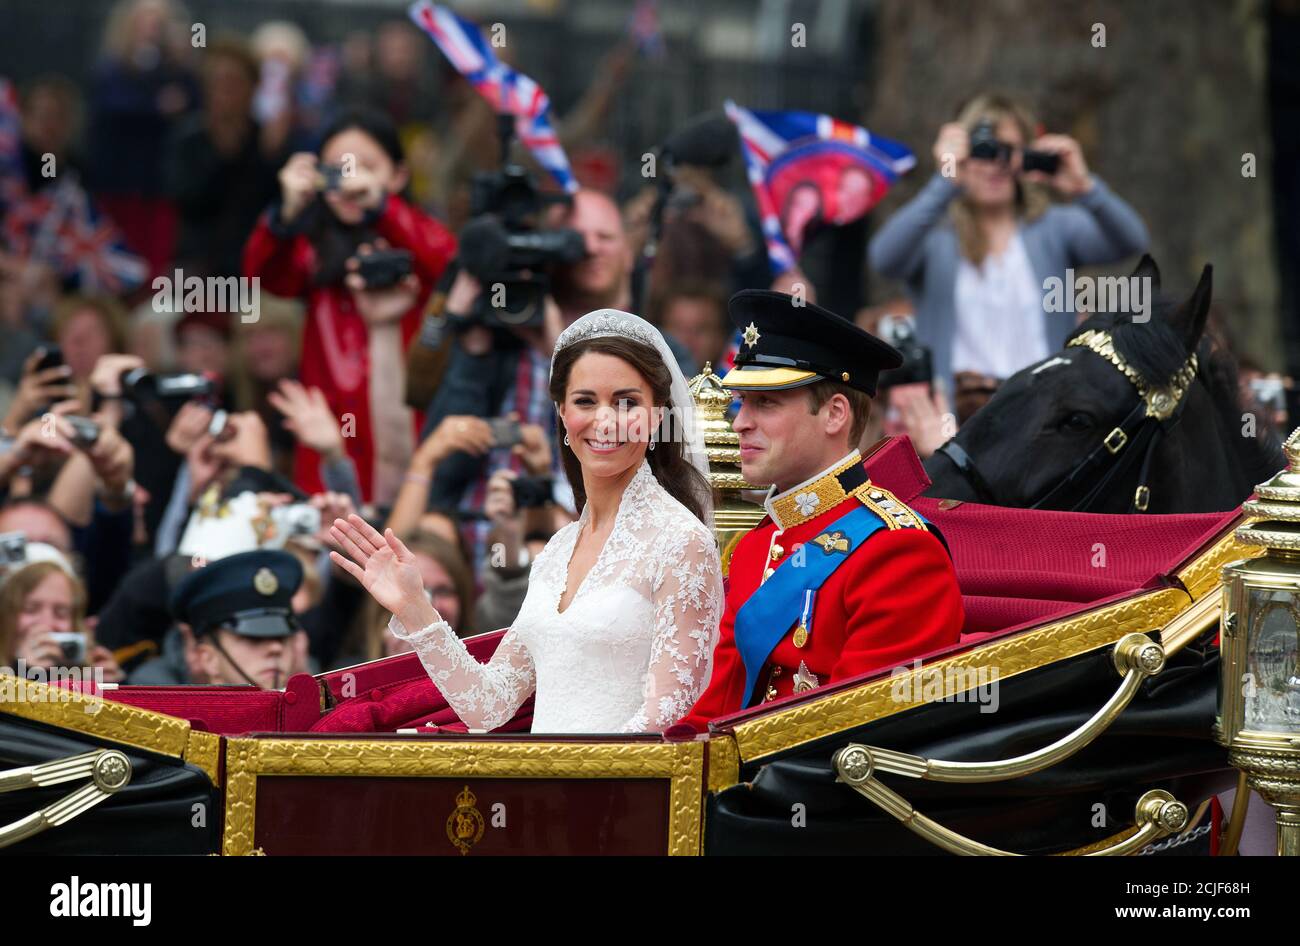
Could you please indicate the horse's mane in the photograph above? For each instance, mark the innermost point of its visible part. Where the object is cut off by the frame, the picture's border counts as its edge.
(1155, 350)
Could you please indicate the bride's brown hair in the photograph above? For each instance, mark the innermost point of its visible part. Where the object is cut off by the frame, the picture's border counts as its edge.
(668, 461)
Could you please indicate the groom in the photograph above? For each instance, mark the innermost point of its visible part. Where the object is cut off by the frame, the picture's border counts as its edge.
(840, 577)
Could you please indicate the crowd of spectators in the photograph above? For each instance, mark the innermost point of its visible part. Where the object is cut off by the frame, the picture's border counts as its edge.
(143, 439)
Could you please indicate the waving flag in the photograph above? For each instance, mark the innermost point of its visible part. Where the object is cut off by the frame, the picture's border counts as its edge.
(807, 168)
(61, 226)
(58, 224)
(508, 91)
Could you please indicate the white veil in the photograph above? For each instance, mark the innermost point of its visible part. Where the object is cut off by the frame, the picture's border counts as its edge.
(680, 420)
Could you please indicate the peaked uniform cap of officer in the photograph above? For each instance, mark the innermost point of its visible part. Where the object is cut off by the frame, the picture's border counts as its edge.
(785, 345)
(248, 593)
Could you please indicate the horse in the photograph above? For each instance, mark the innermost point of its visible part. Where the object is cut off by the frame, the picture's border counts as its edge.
(1137, 414)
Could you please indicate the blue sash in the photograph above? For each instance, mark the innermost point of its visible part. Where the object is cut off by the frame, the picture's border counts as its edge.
(767, 616)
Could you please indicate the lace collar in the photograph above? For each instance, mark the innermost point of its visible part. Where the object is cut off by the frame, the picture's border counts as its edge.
(812, 497)
(641, 483)
(631, 506)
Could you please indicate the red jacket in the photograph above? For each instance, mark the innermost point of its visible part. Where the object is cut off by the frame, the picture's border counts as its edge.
(335, 355)
(894, 598)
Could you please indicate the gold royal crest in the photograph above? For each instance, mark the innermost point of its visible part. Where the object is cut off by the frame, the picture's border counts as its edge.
(465, 824)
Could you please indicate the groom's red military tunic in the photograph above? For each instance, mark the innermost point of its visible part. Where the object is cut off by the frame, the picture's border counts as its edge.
(894, 597)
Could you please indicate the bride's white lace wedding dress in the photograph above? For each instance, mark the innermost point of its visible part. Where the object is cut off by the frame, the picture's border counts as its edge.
(632, 651)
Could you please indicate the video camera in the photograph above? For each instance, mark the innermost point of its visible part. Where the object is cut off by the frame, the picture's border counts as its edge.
(503, 247)
(918, 362)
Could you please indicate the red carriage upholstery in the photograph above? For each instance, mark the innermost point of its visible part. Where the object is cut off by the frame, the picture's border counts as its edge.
(230, 710)
(1020, 566)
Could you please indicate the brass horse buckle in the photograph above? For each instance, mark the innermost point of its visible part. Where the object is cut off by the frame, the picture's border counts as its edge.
(1141, 498)
(1119, 437)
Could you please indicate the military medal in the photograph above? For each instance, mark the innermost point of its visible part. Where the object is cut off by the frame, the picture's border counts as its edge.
(802, 632)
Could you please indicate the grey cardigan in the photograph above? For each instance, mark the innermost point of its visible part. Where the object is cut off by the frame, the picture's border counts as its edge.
(918, 246)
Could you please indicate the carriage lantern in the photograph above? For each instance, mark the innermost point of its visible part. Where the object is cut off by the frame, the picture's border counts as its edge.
(1259, 690)
(733, 515)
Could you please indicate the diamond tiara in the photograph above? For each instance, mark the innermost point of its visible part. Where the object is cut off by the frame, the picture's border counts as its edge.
(605, 323)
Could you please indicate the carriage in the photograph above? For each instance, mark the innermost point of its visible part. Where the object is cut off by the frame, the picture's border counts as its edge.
(1075, 716)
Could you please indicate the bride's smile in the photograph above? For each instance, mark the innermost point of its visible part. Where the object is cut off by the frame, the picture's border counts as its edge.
(607, 414)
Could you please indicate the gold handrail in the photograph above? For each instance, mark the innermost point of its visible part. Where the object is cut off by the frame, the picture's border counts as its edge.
(108, 769)
(1136, 657)
(1192, 623)
(1237, 820)
(1157, 815)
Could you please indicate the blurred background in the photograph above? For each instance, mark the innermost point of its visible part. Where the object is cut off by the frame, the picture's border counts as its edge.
(1165, 111)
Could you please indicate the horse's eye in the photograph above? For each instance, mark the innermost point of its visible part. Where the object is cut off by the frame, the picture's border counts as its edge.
(1078, 422)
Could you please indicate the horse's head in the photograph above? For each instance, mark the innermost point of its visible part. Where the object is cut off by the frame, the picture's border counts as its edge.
(1048, 437)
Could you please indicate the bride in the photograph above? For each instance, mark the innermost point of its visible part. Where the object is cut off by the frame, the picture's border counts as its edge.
(616, 633)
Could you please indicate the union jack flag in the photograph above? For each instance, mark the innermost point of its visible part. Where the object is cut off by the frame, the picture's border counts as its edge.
(61, 226)
(807, 168)
(508, 91)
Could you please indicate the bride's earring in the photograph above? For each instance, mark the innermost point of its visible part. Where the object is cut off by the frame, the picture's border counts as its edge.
(652, 445)
(566, 440)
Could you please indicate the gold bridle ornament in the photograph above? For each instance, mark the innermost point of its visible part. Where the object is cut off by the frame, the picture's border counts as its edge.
(1161, 402)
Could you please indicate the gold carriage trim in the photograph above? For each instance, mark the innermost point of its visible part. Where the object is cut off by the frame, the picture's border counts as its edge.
(724, 762)
(95, 716)
(1161, 402)
(1204, 574)
(681, 763)
(785, 729)
(203, 751)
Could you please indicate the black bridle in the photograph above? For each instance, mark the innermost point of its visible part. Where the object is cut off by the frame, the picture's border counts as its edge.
(1157, 412)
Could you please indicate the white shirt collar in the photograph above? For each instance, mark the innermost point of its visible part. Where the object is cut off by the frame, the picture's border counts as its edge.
(773, 495)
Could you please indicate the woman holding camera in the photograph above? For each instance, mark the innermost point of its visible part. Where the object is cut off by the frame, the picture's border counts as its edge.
(977, 243)
(42, 622)
(343, 238)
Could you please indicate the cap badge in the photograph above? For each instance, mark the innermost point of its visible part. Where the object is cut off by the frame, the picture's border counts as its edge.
(751, 335)
(265, 582)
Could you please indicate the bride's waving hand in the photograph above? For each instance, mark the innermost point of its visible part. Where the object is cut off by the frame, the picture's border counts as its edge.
(484, 696)
(386, 568)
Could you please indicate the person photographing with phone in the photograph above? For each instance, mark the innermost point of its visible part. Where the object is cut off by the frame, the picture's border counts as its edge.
(977, 243)
(343, 238)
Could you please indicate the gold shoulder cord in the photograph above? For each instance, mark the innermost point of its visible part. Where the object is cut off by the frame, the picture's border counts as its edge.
(895, 513)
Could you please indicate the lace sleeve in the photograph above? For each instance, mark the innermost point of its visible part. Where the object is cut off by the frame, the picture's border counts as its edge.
(687, 608)
(484, 696)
